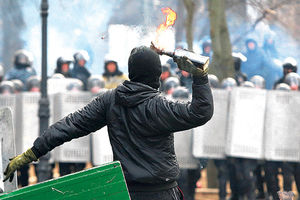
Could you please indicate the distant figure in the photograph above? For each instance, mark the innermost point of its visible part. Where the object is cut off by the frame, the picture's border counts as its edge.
(33, 84)
(169, 85)
(289, 65)
(6, 88)
(228, 83)
(269, 47)
(258, 81)
(63, 66)
(213, 81)
(206, 49)
(96, 84)
(80, 71)
(18, 86)
(75, 85)
(112, 76)
(22, 66)
(256, 63)
(239, 76)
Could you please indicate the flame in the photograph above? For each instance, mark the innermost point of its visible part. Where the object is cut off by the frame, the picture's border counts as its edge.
(170, 21)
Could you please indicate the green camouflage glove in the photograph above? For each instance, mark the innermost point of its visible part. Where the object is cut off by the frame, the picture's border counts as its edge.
(186, 65)
(17, 162)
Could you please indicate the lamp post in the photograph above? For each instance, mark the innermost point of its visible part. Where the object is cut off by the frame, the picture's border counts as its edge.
(43, 167)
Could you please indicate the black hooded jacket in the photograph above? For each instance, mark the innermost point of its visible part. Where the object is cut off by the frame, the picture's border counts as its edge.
(140, 124)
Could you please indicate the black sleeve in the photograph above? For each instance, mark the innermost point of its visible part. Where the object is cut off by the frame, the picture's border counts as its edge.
(176, 116)
(80, 123)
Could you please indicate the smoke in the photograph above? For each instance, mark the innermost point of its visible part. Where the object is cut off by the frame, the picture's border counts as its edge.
(72, 25)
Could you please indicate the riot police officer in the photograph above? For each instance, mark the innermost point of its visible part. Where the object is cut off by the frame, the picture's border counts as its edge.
(22, 66)
(79, 70)
(63, 66)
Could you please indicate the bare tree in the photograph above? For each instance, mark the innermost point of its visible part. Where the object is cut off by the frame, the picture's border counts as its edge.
(222, 62)
(190, 8)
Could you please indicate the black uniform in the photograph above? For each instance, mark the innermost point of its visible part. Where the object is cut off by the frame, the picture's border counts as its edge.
(140, 124)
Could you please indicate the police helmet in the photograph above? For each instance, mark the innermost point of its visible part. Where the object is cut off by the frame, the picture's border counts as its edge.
(228, 83)
(95, 83)
(292, 79)
(6, 88)
(169, 84)
(180, 93)
(247, 84)
(258, 81)
(81, 55)
(33, 84)
(18, 85)
(213, 81)
(23, 58)
(75, 85)
(283, 86)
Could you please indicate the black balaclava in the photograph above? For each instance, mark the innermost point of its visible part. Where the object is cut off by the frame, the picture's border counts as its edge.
(144, 66)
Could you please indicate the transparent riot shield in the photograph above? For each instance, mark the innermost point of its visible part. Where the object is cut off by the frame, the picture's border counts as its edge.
(209, 140)
(7, 147)
(102, 151)
(27, 129)
(246, 123)
(183, 149)
(77, 150)
(282, 126)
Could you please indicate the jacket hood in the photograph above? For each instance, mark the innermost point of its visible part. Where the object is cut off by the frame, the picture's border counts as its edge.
(131, 94)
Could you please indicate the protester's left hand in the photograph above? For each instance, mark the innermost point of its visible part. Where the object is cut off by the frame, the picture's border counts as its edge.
(186, 65)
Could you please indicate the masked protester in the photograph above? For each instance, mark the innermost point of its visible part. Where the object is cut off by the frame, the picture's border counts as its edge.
(33, 84)
(293, 80)
(112, 76)
(6, 88)
(140, 124)
(79, 70)
(22, 66)
(289, 65)
(1, 73)
(63, 66)
(169, 85)
(239, 76)
(213, 81)
(96, 84)
(18, 86)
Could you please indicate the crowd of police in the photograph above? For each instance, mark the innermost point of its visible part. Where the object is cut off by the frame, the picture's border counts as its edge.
(258, 67)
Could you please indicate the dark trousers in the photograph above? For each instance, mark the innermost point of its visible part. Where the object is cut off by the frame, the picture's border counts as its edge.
(23, 175)
(223, 176)
(187, 182)
(170, 194)
(259, 179)
(271, 176)
(242, 177)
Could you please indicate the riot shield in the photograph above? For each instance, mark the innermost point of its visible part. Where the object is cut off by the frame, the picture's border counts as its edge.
(77, 150)
(282, 126)
(183, 149)
(209, 139)
(246, 123)
(27, 129)
(102, 151)
(7, 147)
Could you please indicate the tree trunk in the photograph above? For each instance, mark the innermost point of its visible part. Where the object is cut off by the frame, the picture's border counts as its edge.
(190, 11)
(222, 62)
